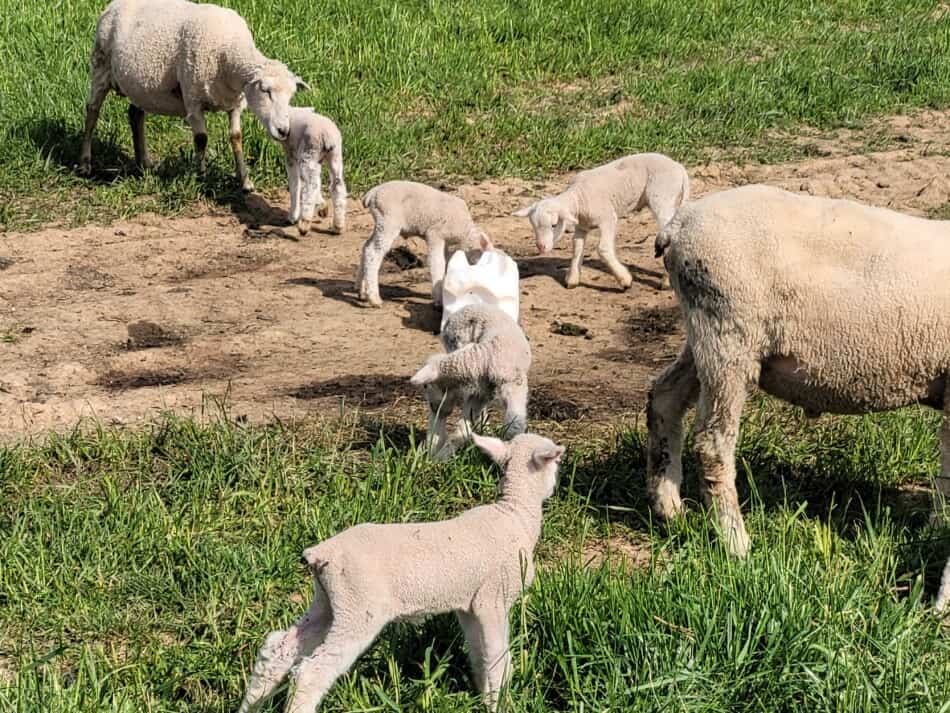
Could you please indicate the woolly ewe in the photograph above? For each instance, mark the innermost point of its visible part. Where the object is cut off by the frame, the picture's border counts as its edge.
(599, 197)
(831, 305)
(179, 58)
(475, 565)
(488, 358)
(405, 208)
(314, 140)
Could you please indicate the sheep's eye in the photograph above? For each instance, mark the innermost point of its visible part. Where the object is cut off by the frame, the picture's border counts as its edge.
(269, 95)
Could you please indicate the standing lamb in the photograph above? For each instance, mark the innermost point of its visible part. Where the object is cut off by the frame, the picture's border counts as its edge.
(599, 197)
(178, 58)
(406, 208)
(475, 565)
(488, 358)
(314, 140)
(828, 304)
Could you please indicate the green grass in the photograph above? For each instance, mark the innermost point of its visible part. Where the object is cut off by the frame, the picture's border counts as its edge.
(476, 89)
(140, 571)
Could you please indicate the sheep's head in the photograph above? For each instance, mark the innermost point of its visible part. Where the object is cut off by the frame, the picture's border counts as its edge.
(548, 220)
(526, 456)
(269, 94)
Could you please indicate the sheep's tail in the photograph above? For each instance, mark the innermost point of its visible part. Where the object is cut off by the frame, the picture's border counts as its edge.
(468, 363)
(369, 196)
(665, 237)
(684, 190)
(315, 559)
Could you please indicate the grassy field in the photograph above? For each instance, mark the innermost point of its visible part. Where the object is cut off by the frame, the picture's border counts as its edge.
(477, 89)
(141, 570)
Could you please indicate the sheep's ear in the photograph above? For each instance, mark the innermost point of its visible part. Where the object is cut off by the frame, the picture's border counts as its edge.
(569, 220)
(484, 241)
(426, 375)
(545, 454)
(495, 448)
(302, 86)
(524, 212)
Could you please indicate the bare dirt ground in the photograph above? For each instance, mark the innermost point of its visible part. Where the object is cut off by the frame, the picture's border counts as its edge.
(121, 322)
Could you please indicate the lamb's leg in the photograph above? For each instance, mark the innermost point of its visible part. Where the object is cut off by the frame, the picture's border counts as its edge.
(344, 643)
(338, 191)
(608, 252)
(137, 124)
(486, 630)
(436, 247)
(196, 120)
(293, 185)
(374, 250)
(441, 404)
(515, 397)
(943, 596)
(574, 274)
(282, 649)
(942, 494)
(670, 397)
(309, 192)
(237, 147)
(100, 82)
(721, 398)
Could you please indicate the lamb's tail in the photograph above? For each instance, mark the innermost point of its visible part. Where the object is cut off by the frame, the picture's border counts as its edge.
(468, 363)
(666, 236)
(315, 559)
(370, 196)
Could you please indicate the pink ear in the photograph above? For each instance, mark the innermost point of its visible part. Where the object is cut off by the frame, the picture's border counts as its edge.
(524, 212)
(484, 241)
(495, 448)
(545, 454)
(426, 375)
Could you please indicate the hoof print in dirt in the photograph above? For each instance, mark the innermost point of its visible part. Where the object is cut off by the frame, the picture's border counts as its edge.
(148, 335)
(569, 329)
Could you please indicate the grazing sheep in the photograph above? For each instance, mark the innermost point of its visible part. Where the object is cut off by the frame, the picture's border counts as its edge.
(475, 565)
(599, 197)
(405, 208)
(314, 140)
(488, 357)
(178, 58)
(828, 304)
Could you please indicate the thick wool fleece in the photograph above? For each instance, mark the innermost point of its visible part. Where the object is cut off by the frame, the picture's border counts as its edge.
(599, 197)
(405, 208)
(487, 359)
(475, 565)
(828, 304)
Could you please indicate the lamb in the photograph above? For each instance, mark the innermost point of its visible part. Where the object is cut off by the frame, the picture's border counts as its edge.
(476, 565)
(488, 357)
(828, 304)
(599, 197)
(178, 58)
(406, 208)
(314, 140)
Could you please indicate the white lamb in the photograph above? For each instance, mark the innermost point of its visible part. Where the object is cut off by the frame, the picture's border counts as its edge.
(314, 140)
(599, 197)
(178, 58)
(488, 358)
(828, 304)
(475, 565)
(406, 208)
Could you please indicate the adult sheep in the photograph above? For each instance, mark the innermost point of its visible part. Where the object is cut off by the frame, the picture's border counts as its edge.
(828, 304)
(178, 58)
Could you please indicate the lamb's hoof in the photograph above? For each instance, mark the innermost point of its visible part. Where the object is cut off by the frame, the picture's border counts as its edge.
(247, 188)
(303, 226)
(626, 283)
(338, 229)
(571, 284)
(323, 211)
(84, 168)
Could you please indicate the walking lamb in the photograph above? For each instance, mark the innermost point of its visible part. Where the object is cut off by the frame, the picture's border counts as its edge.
(475, 565)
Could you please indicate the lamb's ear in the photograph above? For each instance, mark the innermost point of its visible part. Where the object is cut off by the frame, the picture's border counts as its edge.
(484, 242)
(427, 374)
(569, 220)
(495, 448)
(545, 454)
(524, 212)
(302, 86)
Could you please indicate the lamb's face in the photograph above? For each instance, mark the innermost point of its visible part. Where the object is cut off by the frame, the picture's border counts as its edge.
(537, 458)
(269, 95)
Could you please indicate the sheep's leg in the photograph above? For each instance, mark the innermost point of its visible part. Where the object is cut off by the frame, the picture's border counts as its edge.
(196, 120)
(374, 250)
(942, 494)
(943, 596)
(322, 207)
(309, 192)
(293, 185)
(721, 398)
(515, 397)
(436, 246)
(574, 274)
(608, 252)
(282, 649)
(100, 82)
(338, 191)
(486, 630)
(670, 397)
(441, 404)
(237, 147)
(137, 124)
(342, 646)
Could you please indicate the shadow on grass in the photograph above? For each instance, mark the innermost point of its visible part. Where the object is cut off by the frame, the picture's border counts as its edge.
(60, 144)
